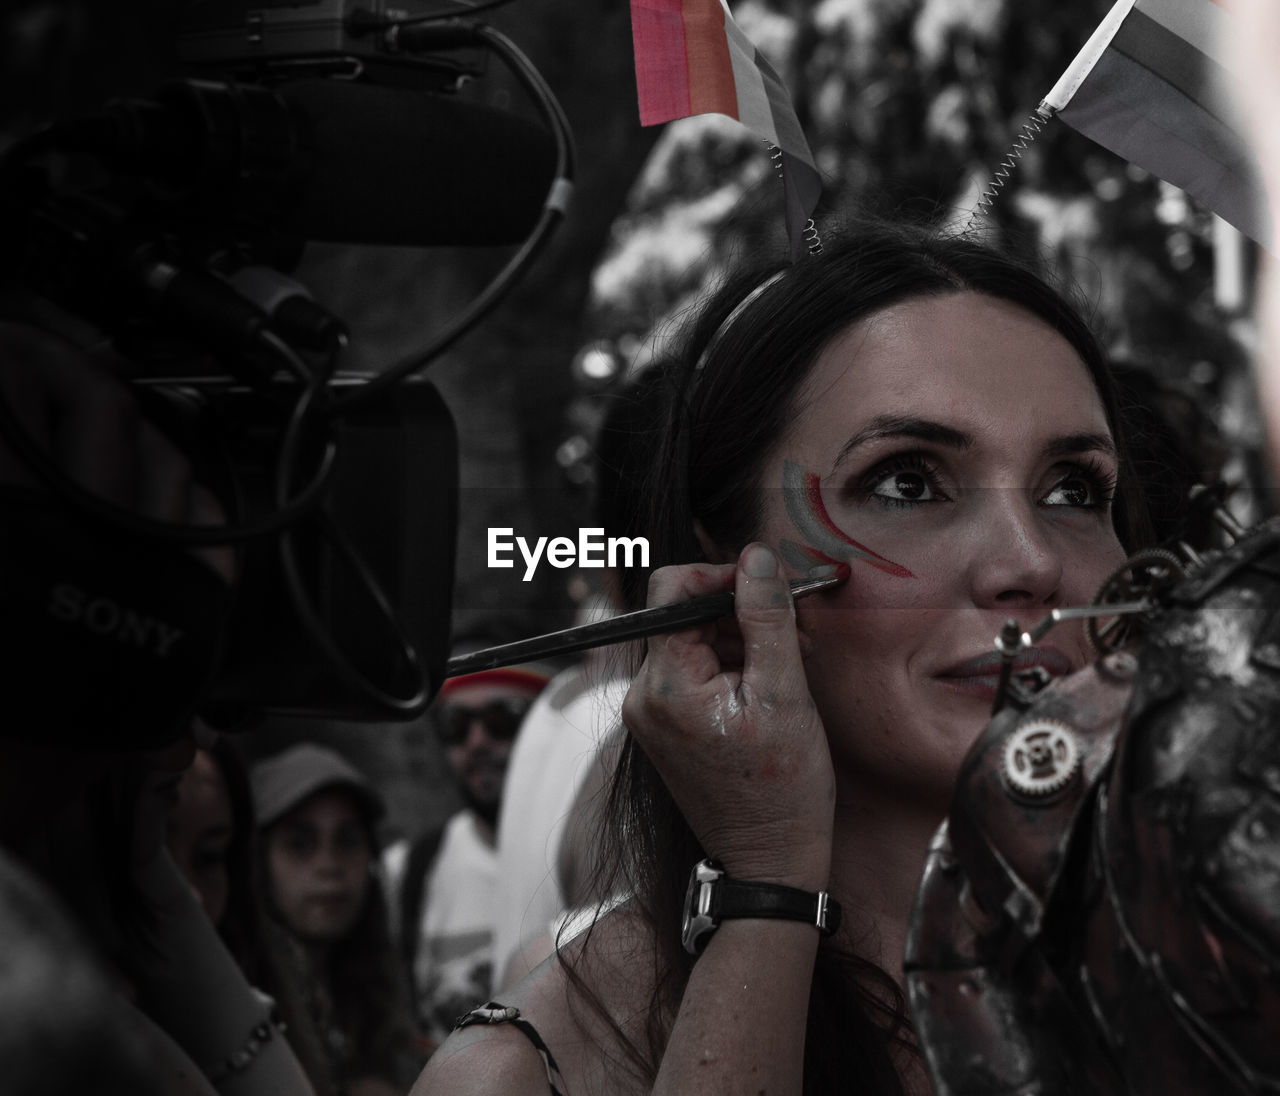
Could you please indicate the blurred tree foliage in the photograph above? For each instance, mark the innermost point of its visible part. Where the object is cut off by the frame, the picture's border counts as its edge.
(910, 106)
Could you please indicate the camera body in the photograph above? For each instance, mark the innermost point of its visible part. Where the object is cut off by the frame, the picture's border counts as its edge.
(393, 499)
(168, 225)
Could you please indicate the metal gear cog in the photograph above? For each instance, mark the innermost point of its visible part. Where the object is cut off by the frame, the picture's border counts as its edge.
(1040, 759)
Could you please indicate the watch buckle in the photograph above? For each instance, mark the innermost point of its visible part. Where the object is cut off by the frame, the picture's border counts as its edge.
(820, 918)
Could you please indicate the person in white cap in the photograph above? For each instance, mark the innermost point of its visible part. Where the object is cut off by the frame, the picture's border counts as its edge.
(317, 815)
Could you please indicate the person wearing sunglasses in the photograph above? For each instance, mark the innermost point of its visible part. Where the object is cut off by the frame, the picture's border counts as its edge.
(445, 880)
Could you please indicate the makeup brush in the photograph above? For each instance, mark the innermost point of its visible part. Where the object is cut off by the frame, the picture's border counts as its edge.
(658, 620)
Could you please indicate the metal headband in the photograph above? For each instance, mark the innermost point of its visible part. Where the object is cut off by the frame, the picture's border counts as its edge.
(730, 319)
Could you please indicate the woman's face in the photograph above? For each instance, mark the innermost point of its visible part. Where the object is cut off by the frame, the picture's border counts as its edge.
(318, 859)
(955, 451)
(198, 831)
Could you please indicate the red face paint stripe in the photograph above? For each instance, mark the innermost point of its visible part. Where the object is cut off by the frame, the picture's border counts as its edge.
(803, 556)
(813, 495)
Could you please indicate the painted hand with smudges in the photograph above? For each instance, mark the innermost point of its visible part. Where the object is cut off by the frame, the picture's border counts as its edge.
(724, 712)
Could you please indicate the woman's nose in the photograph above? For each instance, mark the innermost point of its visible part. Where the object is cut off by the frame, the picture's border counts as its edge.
(330, 859)
(1016, 563)
(478, 736)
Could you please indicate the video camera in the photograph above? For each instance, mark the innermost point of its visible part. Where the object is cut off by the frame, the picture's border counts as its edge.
(170, 225)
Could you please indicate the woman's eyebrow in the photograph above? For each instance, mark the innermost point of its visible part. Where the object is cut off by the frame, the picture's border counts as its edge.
(897, 426)
(1072, 445)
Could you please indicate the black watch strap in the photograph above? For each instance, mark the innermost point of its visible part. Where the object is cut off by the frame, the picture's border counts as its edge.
(714, 897)
(738, 898)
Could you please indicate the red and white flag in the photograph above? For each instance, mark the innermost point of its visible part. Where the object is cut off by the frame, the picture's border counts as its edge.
(692, 58)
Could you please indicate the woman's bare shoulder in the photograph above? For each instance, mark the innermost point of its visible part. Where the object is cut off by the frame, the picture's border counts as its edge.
(490, 1060)
(501, 1060)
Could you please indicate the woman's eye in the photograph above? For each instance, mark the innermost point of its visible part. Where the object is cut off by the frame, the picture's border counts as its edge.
(1076, 491)
(300, 843)
(349, 839)
(904, 486)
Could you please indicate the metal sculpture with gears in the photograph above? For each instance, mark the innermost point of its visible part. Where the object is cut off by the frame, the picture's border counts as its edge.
(1101, 911)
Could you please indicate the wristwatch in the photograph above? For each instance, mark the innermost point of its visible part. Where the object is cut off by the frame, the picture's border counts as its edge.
(713, 897)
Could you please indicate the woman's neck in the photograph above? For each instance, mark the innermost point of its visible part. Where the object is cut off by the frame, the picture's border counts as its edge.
(318, 955)
(878, 856)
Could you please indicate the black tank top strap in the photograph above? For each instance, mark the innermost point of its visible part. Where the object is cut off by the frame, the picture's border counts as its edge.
(494, 1013)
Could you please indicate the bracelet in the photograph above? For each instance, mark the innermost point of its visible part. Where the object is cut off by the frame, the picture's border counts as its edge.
(241, 1059)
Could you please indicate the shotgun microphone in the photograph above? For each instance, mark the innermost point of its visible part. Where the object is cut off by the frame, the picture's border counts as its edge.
(331, 160)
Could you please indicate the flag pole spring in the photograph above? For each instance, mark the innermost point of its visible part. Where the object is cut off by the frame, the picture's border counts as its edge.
(1004, 171)
(811, 238)
(810, 231)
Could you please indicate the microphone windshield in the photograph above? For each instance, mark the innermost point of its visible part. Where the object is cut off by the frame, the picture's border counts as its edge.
(404, 167)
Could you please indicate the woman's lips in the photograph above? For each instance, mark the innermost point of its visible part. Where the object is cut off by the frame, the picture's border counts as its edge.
(331, 903)
(980, 675)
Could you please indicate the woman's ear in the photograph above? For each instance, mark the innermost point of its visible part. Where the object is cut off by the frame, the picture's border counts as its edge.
(711, 551)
